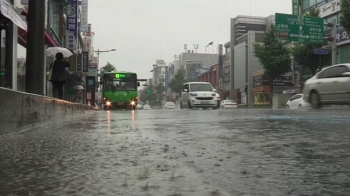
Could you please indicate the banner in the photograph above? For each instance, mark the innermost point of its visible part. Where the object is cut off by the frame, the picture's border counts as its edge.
(72, 23)
(84, 17)
(85, 61)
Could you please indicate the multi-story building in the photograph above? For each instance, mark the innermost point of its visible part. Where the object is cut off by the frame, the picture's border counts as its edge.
(245, 32)
(210, 75)
(159, 72)
(191, 63)
(14, 41)
(226, 72)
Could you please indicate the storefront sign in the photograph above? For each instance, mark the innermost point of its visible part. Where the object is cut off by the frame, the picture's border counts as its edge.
(342, 35)
(295, 7)
(85, 61)
(79, 62)
(84, 16)
(72, 23)
(92, 69)
(329, 8)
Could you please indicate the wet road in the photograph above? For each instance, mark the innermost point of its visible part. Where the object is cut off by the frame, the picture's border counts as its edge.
(188, 152)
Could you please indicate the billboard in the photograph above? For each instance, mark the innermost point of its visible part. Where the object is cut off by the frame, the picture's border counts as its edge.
(85, 61)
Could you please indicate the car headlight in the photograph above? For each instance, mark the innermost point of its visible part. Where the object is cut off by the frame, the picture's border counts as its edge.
(213, 94)
(193, 94)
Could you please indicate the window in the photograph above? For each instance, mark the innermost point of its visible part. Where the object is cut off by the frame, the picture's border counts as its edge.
(333, 72)
(185, 86)
(201, 87)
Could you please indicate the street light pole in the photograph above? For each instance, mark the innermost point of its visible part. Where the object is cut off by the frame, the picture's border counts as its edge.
(98, 60)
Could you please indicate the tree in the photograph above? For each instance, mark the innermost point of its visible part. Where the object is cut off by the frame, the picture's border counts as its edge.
(176, 83)
(109, 67)
(303, 52)
(146, 94)
(345, 14)
(273, 56)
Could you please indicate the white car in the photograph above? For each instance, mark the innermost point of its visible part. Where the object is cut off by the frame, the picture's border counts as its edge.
(139, 106)
(169, 105)
(228, 104)
(198, 95)
(146, 107)
(297, 101)
(330, 86)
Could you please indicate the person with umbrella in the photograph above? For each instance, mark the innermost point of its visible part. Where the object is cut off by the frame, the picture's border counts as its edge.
(59, 75)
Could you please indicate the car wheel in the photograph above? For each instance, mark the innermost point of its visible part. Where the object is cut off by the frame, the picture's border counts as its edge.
(222, 107)
(315, 100)
(189, 105)
(300, 106)
(181, 105)
(287, 106)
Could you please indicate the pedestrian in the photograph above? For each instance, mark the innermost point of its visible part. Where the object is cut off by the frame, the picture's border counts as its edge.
(59, 75)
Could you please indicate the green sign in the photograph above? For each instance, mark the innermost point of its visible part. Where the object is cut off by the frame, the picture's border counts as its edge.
(299, 28)
(295, 7)
(119, 75)
(2, 73)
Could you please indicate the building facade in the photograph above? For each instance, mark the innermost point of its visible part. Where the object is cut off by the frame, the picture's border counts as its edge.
(330, 10)
(14, 41)
(210, 75)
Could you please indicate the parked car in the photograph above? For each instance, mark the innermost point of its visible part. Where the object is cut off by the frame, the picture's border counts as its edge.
(169, 105)
(330, 86)
(228, 104)
(146, 107)
(297, 101)
(198, 95)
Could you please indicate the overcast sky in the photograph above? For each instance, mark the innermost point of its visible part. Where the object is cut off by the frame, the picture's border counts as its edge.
(142, 31)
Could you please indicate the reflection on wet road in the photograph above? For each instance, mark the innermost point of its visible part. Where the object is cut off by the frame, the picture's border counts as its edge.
(188, 152)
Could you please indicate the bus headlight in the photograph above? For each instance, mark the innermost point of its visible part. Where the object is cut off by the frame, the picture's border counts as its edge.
(132, 102)
(108, 103)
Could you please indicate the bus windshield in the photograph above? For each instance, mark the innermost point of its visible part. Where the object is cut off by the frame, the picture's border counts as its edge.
(120, 82)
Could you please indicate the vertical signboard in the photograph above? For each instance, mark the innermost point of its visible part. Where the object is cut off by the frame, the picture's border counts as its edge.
(295, 7)
(84, 16)
(166, 77)
(79, 62)
(93, 69)
(85, 61)
(72, 24)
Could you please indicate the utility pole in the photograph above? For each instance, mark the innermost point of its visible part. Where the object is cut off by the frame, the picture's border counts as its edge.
(334, 43)
(333, 39)
(35, 67)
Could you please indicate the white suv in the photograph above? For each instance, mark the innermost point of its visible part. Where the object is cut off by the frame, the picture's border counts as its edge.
(198, 95)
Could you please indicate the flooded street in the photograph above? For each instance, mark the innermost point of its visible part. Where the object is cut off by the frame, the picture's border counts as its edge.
(182, 152)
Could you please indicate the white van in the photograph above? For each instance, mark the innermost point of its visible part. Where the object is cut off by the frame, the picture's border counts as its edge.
(198, 95)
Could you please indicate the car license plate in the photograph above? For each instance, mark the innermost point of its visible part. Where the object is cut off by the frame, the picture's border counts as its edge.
(205, 102)
(120, 103)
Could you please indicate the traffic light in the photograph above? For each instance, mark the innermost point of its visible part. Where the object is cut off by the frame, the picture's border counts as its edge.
(148, 91)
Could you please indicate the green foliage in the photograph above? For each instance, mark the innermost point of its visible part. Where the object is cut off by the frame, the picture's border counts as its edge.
(146, 94)
(109, 67)
(272, 55)
(345, 14)
(303, 52)
(176, 83)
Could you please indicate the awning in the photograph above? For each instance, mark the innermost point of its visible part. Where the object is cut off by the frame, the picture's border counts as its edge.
(9, 12)
(22, 35)
(48, 38)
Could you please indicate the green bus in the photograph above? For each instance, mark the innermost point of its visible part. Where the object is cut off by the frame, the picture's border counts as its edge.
(119, 90)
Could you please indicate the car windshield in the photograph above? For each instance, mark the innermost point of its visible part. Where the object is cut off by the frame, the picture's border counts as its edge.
(170, 103)
(230, 101)
(201, 87)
